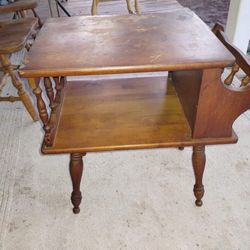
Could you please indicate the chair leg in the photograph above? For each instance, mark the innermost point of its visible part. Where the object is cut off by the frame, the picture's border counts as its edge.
(19, 86)
(129, 7)
(137, 7)
(94, 7)
(199, 161)
(76, 169)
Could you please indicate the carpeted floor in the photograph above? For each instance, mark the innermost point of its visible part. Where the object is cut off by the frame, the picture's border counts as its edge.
(209, 11)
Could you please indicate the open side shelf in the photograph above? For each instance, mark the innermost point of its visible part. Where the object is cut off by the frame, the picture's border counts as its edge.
(119, 114)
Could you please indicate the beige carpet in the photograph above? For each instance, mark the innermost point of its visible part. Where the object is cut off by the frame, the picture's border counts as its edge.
(131, 200)
(10, 128)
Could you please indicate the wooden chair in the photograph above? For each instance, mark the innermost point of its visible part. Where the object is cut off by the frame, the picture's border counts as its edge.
(242, 61)
(15, 35)
(137, 7)
(21, 7)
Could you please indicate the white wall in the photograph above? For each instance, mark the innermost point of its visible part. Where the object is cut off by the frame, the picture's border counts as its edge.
(238, 23)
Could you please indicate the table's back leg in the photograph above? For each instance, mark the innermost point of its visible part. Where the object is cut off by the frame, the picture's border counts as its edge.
(199, 161)
(76, 169)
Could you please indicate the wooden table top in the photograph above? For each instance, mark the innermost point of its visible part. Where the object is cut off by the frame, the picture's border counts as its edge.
(176, 40)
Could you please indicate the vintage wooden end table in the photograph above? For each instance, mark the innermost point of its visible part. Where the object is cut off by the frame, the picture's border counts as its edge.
(190, 108)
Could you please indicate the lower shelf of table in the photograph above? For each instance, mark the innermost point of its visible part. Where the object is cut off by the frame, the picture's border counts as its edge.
(122, 114)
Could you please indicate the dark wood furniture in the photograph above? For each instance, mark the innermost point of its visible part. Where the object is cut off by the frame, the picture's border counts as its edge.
(15, 35)
(190, 108)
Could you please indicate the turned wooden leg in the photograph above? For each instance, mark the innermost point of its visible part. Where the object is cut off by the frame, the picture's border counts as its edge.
(199, 160)
(94, 7)
(129, 7)
(76, 169)
(19, 86)
(137, 7)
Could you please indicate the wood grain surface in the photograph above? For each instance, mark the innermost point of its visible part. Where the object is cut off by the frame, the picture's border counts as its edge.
(176, 40)
(104, 115)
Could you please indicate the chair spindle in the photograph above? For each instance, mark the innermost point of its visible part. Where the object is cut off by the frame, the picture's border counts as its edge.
(245, 81)
(229, 79)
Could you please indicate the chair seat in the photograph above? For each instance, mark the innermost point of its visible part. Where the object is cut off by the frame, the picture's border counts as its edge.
(18, 6)
(14, 34)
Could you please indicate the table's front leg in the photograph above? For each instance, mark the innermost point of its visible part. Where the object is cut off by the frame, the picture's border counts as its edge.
(199, 161)
(76, 169)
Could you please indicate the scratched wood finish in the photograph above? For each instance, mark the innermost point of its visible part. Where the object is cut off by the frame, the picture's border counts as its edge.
(104, 44)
